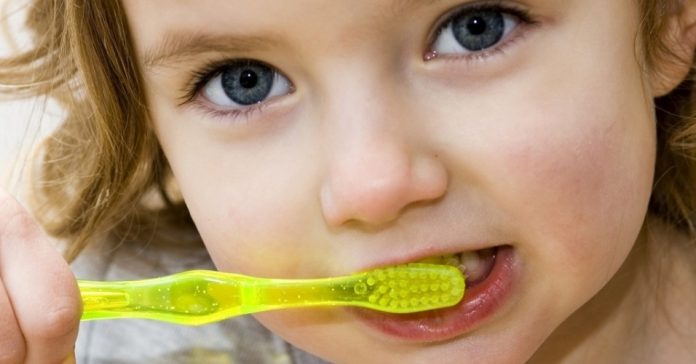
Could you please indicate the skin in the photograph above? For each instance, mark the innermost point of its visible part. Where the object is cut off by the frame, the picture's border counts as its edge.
(378, 154)
(39, 303)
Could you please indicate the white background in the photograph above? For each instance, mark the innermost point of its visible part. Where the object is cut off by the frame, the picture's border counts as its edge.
(23, 123)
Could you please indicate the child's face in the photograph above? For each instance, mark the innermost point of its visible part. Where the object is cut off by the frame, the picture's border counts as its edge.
(381, 140)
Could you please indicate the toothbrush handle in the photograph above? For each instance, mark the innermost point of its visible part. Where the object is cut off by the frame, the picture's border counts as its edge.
(198, 297)
(192, 297)
(102, 299)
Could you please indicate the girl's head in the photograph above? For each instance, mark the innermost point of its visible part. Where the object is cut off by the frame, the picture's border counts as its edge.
(313, 138)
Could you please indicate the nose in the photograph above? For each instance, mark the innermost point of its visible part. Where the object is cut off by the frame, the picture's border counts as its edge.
(378, 165)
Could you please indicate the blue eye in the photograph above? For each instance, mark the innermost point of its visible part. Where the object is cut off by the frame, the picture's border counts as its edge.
(244, 83)
(475, 30)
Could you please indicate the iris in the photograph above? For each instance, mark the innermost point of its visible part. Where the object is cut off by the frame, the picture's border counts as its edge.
(478, 30)
(247, 83)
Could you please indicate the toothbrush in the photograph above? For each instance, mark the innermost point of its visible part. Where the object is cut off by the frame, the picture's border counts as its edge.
(198, 297)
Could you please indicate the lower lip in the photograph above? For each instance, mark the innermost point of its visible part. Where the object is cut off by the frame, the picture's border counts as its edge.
(480, 302)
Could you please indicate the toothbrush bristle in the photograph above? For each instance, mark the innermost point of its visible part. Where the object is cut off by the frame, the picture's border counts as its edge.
(411, 287)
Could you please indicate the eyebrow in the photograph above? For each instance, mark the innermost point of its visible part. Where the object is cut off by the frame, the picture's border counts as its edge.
(402, 5)
(177, 46)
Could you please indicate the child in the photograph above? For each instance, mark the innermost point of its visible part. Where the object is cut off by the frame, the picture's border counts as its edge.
(545, 147)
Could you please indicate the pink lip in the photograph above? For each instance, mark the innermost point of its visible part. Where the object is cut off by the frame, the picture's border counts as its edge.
(480, 302)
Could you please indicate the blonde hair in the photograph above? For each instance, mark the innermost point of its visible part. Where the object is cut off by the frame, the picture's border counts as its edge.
(104, 159)
(674, 192)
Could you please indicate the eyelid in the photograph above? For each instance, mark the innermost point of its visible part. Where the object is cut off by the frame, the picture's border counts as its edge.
(441, 23)
(200, 76)
(212, 89)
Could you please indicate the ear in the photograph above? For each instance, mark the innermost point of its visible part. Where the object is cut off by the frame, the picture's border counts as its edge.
(680, 40)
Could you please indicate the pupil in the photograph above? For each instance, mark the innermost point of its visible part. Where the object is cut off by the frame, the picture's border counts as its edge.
(248, 79)
(247, 82)
(476, 26)
(479, 30)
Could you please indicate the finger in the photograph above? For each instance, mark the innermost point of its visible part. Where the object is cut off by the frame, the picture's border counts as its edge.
(40, 285)
(12, 348)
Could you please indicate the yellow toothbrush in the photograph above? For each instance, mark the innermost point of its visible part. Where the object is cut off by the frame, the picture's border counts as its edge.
(199, 297)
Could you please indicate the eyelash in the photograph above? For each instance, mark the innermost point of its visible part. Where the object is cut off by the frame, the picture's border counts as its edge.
(239, 115)
(523, 15)
(199, 78)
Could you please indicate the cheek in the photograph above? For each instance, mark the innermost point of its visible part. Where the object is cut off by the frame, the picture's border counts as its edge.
(578, 184)
(254, 225)
(250, 224)
(251, 209)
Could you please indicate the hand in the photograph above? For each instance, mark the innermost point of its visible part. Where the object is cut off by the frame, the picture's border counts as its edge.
(40, 304)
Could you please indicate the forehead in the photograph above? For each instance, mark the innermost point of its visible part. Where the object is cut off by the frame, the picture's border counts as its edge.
(154, 16)
(237, 15)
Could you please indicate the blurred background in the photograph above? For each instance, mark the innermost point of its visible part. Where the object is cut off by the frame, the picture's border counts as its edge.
(23, 123)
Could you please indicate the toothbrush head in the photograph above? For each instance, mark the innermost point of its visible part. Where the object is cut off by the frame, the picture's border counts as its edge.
(410, 288)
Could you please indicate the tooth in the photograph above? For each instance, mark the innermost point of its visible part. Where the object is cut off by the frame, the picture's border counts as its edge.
(473, 264)
(452, 260)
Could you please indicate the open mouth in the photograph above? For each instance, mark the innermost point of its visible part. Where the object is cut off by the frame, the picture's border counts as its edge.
(490, 274)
